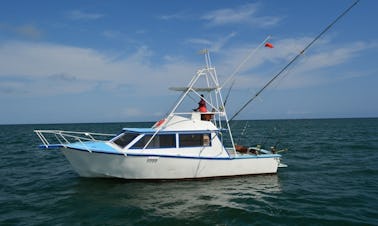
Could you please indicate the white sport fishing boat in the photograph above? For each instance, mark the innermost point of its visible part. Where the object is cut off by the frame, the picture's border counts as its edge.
(183, 145)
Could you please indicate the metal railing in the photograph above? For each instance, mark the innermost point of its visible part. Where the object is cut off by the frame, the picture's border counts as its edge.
(61, 138)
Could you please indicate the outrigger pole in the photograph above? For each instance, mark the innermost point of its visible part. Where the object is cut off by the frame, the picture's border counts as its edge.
(245, 60)
(294, 59)
(239, 67)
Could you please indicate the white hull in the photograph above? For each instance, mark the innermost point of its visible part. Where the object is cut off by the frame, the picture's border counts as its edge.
(92, 164)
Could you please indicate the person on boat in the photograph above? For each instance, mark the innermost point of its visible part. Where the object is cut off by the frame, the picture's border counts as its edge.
(201, 105)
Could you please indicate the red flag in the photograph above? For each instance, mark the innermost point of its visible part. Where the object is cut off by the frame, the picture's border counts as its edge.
(269, 45)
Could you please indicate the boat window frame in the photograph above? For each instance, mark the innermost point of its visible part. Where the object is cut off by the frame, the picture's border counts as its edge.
(202, 137)
(130, 141)
(146, 137)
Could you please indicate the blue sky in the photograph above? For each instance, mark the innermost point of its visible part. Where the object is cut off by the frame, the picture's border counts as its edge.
(113, 61)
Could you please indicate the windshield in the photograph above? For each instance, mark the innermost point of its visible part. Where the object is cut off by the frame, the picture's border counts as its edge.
(124, 139)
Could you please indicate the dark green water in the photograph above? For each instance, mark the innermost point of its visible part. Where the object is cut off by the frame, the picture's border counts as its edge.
(332, 179)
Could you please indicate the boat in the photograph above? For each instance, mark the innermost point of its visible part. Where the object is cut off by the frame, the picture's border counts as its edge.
(185, 144)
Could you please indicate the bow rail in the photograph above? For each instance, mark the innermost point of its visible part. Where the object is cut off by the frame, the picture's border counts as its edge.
(61, 138)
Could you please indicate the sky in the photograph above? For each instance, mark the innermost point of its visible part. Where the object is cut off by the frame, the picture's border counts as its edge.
(113, 61)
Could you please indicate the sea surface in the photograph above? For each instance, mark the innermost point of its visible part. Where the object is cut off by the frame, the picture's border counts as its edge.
(331, 179)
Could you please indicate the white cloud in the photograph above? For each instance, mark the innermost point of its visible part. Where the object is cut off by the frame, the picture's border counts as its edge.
(333, 56)
(213, 45)
(44, 59)
(80, 15)
(29, 30)
(200, 41)
(245, 14)
(26, 30)
(112, 34)
(35, 68)
(309, 70)
(29, 68)
(174, 16)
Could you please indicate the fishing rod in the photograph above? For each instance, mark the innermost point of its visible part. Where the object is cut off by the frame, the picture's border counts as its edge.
(293, 60)
(228, 93)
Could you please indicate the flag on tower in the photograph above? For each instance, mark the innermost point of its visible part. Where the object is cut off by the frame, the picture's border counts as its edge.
(269, 45)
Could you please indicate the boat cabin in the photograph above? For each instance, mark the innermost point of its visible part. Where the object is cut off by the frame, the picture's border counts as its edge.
(179, 136)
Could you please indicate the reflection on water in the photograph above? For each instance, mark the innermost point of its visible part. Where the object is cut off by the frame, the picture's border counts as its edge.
(178, 199)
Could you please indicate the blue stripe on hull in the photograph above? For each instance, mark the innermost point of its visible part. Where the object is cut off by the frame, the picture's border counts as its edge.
(185, 157)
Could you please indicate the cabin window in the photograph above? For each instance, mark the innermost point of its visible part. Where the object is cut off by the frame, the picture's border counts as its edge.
(159, 141)
(124, 139)
(194, 140)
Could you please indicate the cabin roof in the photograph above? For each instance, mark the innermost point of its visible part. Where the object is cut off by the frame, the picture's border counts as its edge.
(151, 131)
(139, 130)
(177, 124)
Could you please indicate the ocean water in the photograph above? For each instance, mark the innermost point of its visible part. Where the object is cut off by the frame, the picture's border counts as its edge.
(331, 179)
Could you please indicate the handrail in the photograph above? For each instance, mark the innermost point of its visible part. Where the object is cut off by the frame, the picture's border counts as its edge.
(63, 138)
